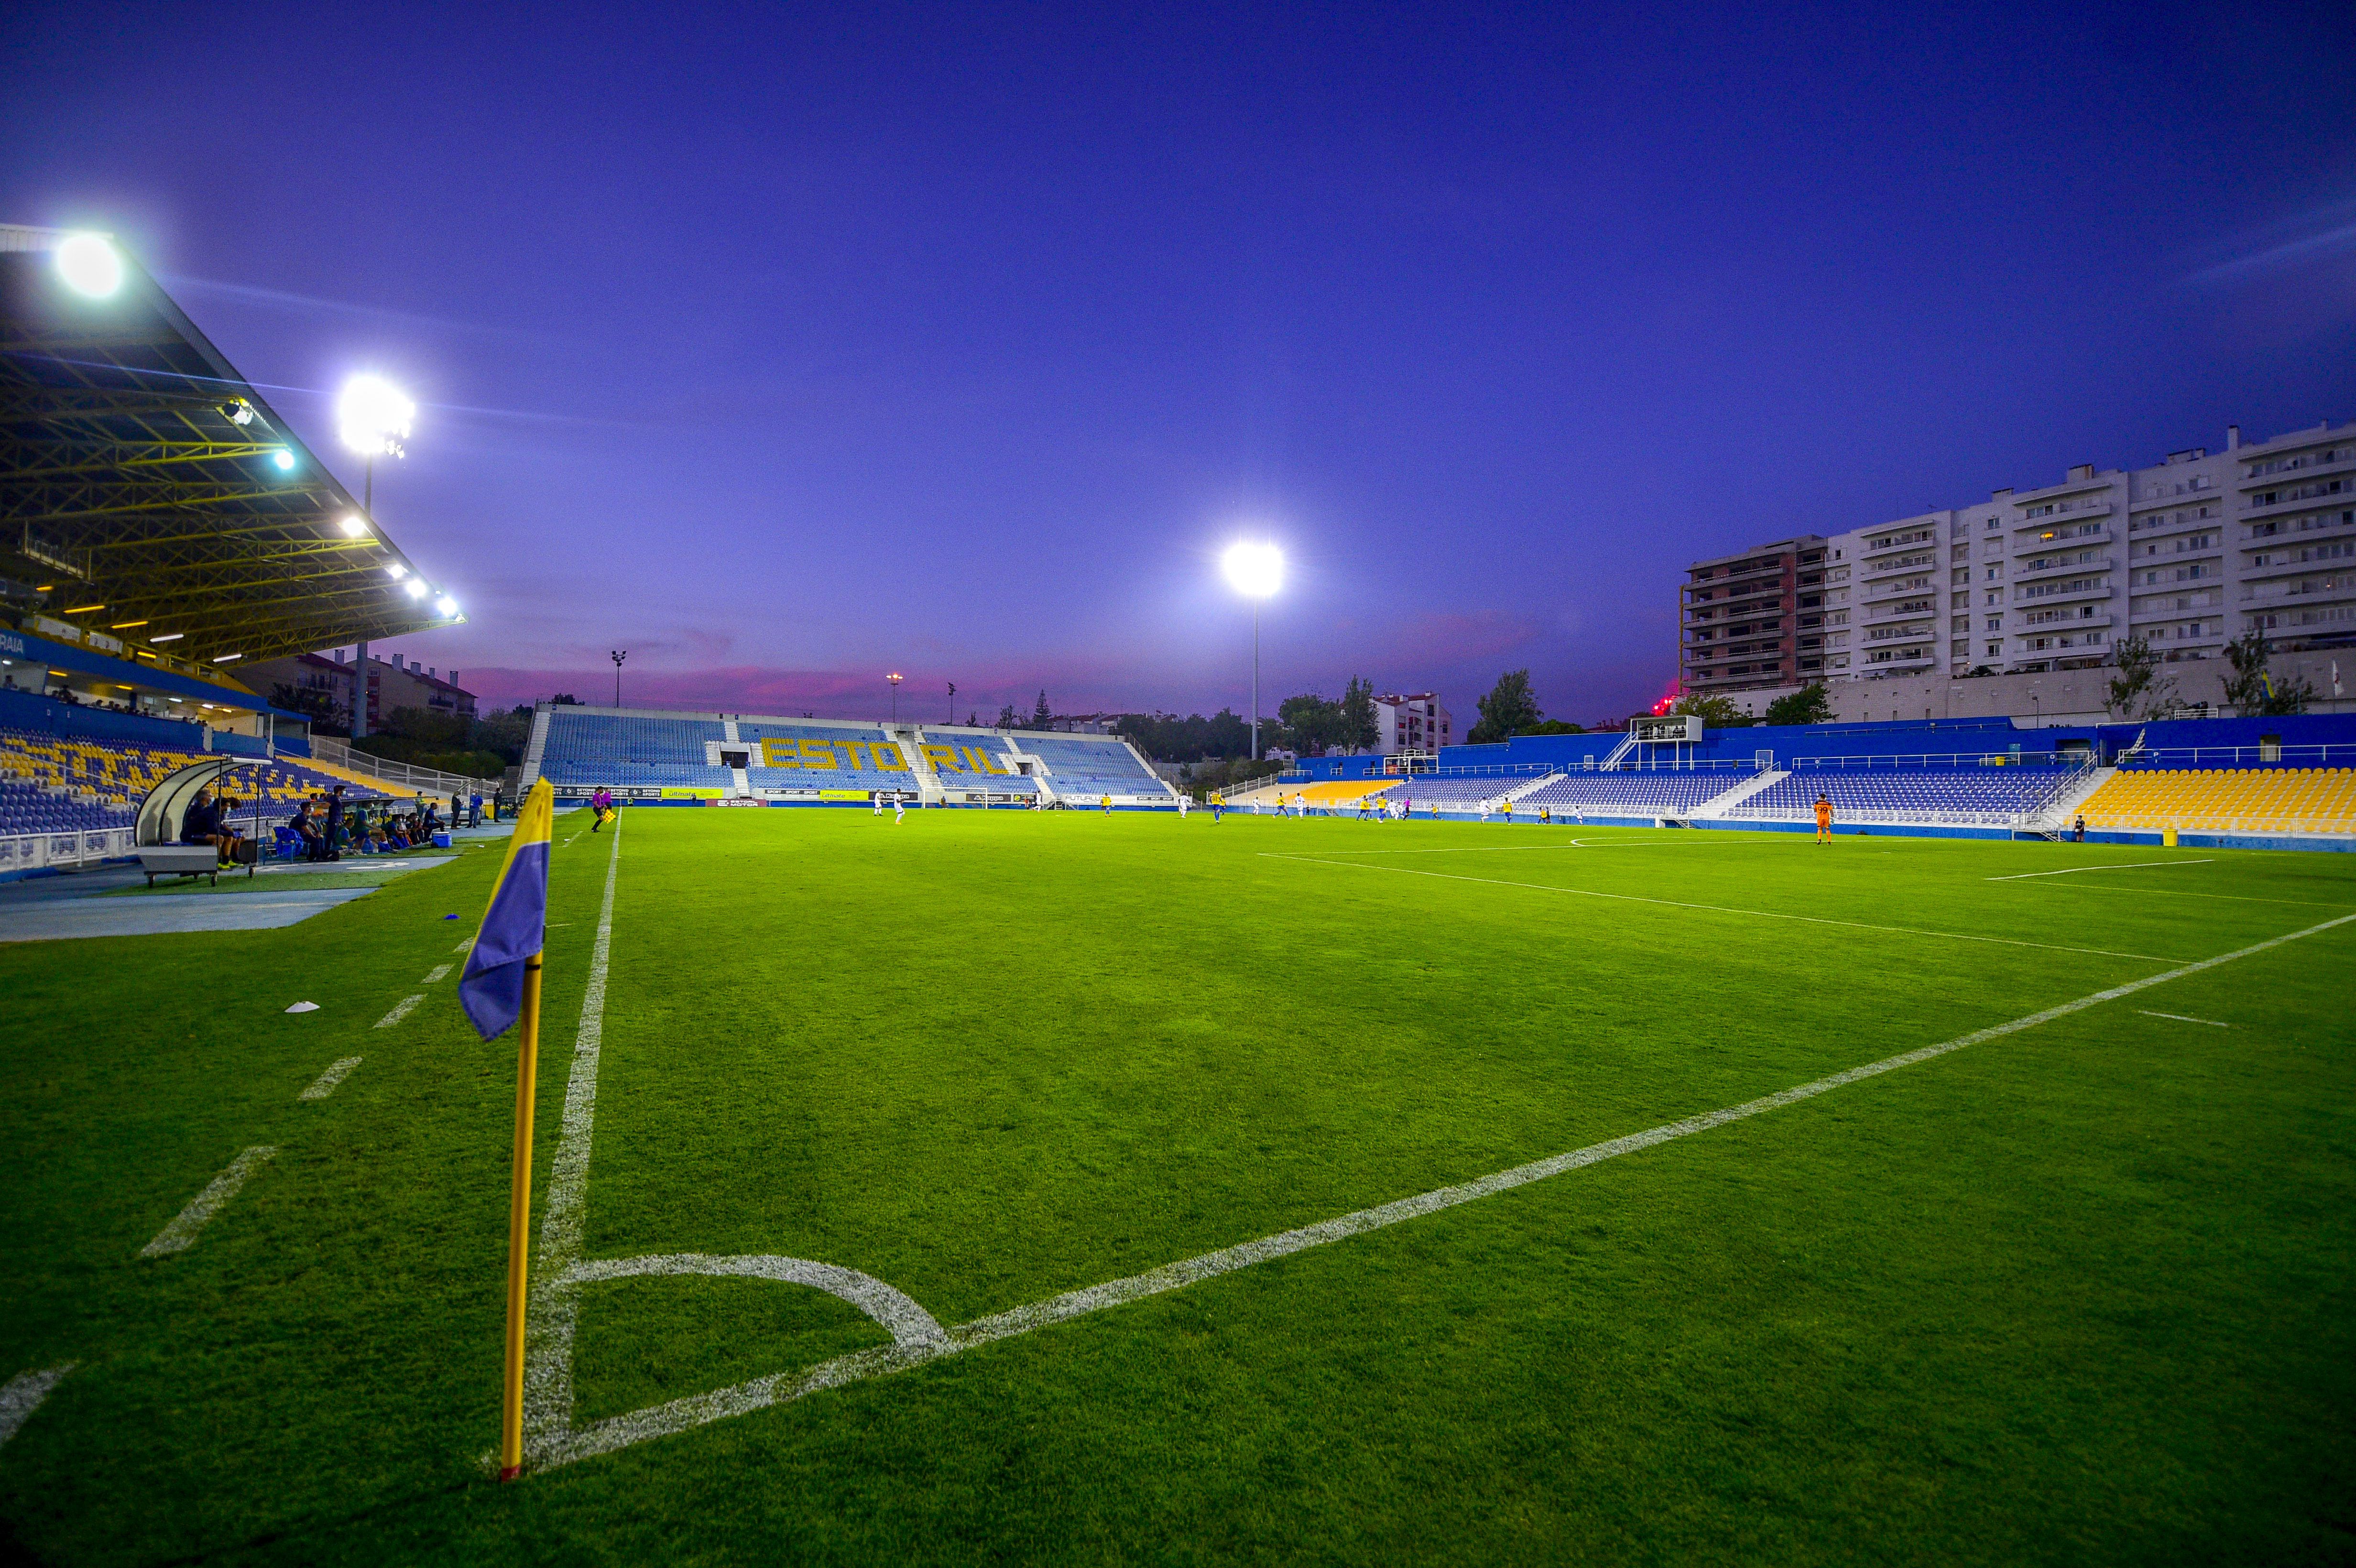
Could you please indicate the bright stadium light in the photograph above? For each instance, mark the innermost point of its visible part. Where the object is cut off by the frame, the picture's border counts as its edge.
(373, 417)
(397, 571)
(284, 458)
(354, 528)
(416, 586)
(1255, 570)
(89, 265)
(446, 607)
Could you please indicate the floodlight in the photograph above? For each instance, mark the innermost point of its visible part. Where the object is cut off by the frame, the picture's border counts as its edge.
(373, 417)
(1254, 571)
(416, 586)
(445, 606)
(167, 636)
(353, 526)
(397, 570)
(284, 458)
(89, 265)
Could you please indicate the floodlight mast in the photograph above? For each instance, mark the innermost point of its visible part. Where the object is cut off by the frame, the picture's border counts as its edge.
(1256, 571)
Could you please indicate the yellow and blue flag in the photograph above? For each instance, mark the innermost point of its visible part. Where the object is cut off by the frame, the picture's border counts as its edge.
(516, 923)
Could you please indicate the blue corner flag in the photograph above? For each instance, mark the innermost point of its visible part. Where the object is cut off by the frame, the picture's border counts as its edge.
(492, 987)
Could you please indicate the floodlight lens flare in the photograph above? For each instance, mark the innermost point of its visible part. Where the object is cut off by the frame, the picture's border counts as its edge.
(373, 417)
(284, 458)
(353, 526)
(89, 265)
(416, 586)
(445, 606)
(1254, 571)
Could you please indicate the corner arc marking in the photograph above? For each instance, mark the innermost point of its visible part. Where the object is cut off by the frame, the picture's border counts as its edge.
(910, 1326)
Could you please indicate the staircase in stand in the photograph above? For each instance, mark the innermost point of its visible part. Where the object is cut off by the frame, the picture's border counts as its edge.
(1718, 805)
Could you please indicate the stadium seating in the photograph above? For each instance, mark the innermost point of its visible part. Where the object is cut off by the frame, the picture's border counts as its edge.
(841, 743)
(2225, 800)
(1633, 793)
(1981, 796)
(119, 775)
(620, 751)
(1080, 767)
(1456, 791)
(36, 808)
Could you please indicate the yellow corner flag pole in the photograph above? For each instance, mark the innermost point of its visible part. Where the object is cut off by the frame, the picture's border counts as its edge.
(519, 1226)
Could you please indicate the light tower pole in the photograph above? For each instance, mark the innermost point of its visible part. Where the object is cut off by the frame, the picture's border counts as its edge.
(1256, 571)
(618, 656)
(373, 417)
(894, 679)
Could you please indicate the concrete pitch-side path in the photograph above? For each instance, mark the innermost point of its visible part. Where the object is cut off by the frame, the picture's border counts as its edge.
(56, 919)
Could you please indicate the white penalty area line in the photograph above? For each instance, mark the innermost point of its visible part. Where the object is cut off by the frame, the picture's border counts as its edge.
(2182, 1018)
(22, 1394)
(181, 1233)
(554, 1441)
(1723, 908)
(2127, 866)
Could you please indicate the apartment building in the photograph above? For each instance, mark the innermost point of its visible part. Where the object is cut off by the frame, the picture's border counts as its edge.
(393, 682)
(1754, 619)
(1417, 722)
(2188, 553)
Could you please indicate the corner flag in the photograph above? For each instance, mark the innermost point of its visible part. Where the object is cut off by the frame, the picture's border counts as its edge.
(502, 985)
(492, 988)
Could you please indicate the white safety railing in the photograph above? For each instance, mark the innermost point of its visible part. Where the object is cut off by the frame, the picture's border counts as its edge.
(397, 777)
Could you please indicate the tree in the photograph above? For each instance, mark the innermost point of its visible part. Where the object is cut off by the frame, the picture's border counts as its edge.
(1715, 712)
(328, 716)
(1809, 704)
(2140, 691)
(1511, 707)
(1361, 730)
(2252, 690)
(1006, 719)
(1312, 723)
(1554, 727)
(566, 697)
(1042, 716)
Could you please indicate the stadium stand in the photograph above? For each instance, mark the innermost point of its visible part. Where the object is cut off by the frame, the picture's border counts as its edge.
(1087, 767)
(970, 761)
(121, 775)
(1648, 793)
(875, 759)
(1454, 793)
(588, 749)
(2224, 800)
(1350, 794)
(1960, 796)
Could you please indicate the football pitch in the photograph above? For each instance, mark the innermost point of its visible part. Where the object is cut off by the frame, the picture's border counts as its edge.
(1078, 1189)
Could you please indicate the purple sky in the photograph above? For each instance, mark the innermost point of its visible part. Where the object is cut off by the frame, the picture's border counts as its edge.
(786, 346)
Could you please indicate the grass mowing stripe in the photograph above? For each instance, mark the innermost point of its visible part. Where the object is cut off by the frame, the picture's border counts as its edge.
(181, 1233)
(400, 1010)
(324, 1084)
(554, 1305)
(554, 1443)
(22, 1394)
(1723, 908)
(2129, 866)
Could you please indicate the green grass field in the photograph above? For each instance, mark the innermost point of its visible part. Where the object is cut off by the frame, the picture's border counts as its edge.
(2078, 1292)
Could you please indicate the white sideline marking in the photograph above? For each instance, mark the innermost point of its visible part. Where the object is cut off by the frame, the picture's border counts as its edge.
(434, 974)
(22, 1394)
(2182, 1018)
(326, 1082)
(400, 1010)
(181, 1233)
(2128, 866)
(463, 945)
(1722, 908)
(550, 1439)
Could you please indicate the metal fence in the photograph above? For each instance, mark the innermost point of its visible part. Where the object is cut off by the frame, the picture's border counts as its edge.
(2241, 757)
(397, 777)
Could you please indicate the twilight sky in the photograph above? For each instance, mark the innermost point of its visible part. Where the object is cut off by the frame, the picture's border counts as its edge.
(783, 346)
